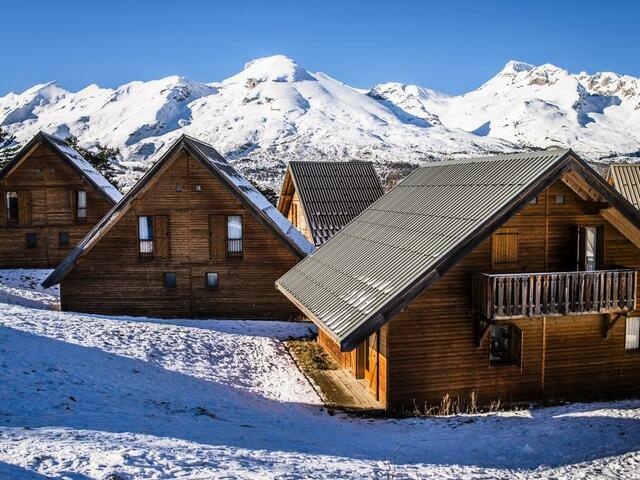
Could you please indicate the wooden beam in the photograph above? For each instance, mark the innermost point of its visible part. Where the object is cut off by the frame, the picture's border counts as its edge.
(610, 321)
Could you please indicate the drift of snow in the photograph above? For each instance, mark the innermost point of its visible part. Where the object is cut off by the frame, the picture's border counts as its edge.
(87, 396)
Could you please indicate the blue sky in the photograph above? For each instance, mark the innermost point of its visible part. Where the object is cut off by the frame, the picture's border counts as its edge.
(448, 46)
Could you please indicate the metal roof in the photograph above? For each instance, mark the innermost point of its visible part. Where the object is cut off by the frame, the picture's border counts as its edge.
(75, 160)
(625, 178)
(405, 241)
(219, 167)
(332, 193)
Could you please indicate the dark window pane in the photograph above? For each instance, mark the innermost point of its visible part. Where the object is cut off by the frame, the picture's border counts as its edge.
(32, 240)
(212, 279)
(170, 280)
(12, 207)
(500, 346)
(63, 239)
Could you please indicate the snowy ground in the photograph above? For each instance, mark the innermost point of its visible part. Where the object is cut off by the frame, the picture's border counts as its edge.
(86, 396)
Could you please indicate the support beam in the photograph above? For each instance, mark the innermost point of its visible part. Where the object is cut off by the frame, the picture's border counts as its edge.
(610, 321)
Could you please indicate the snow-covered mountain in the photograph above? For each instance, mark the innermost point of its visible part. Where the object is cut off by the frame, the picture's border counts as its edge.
(274, 111)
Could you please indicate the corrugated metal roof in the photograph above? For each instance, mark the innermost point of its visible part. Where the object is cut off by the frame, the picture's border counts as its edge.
(218, 166)
(625, 178)
(76, 161)
(334, 193)
(349, 285)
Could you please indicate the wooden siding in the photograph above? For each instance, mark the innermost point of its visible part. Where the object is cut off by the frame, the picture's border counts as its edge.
(296, 215)
(431, 347)
(112, 279)
(376, 376)
(46, 186)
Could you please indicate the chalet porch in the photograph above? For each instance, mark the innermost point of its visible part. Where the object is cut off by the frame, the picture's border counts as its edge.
(342, 391)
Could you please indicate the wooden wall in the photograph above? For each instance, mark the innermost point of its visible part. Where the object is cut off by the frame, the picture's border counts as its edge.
(50, 183)
(296, 216)
(112, 279)
(431, 343)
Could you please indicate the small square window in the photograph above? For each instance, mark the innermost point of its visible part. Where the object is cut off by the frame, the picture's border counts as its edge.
(560, 198)
(533, 201)
(178, 188)
(170, 280)
(198, 188)
(32, 240)
(211, 279)
(505, 344)
(63, 239)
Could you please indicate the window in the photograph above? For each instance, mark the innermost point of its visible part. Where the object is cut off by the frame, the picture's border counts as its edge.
(32, 240)
(632, 335)
(560, 198)
(81, 206)
(590, 248)
(12, 207)
(504, 249)
(211, 279)
(533, 201)
(198, 188)
(178, 188)
(234, 235)
(63, 239)
(145, 236)
(505, 344)
(170, 280)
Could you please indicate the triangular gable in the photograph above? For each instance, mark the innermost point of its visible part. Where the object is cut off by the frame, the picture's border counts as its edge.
(331, 193)
(412, 236)
(70, 156)
(218, 167)
(625, 178)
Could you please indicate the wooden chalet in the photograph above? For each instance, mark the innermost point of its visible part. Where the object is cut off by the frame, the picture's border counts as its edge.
(512, 278)
(51, 198)
(319, 198)
(625, 178)
(193, 238)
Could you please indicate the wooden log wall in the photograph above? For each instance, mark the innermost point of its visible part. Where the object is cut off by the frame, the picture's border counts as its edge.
(46, 185)
(112, 279)
(431, 347)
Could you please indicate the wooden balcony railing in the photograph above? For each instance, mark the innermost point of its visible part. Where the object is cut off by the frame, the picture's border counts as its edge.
(234, 247)
(503, 296)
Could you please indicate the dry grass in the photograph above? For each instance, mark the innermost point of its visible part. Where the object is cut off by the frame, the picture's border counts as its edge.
(310, 356)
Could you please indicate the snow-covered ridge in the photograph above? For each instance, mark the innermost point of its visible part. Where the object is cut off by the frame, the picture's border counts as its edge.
(275, 110)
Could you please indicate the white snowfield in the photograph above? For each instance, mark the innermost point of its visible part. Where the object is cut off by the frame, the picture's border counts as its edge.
(86, 396)
(274, 111)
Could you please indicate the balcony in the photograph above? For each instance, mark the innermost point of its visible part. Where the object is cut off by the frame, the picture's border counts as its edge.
(234, 247)
(508, 296)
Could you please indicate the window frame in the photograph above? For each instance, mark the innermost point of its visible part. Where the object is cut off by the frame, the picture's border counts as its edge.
(206, 280)
(166, 283)
(8, 215)
(635, 350)
(510, 360)
(81, 218)
(62, 244)
(31, 235)
(143, 252)
(238, 245)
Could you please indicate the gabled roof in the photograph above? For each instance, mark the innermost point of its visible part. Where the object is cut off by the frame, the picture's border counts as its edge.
(75, 161)
(625, 178)
(331, 193)
(221, 169)
(409, 238)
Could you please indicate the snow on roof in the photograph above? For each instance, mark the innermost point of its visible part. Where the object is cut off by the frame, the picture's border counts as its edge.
(85, 168)
(254, 196)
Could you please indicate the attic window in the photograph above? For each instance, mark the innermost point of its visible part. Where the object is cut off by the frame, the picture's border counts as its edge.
(560, 198)
(533, 201)
(12, 207)
(178, 188)
(81, 203)
(198, 188)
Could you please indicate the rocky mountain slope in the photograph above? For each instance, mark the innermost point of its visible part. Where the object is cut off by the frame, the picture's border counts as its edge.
(274, 111)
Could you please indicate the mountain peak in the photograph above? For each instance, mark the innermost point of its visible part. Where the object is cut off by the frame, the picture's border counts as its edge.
(276, 68)
(515, 66)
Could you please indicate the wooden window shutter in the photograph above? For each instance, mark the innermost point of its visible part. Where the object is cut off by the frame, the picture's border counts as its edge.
(3, 203)
(24, 207)
(217, 236)
(516, 345)
(504, 248)
(161, 236)
(600, 247)
(73, 202)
